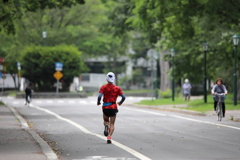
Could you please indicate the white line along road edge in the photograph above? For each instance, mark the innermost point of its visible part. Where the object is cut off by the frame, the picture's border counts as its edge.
(129, 150)
(185, 118)
(43, 144)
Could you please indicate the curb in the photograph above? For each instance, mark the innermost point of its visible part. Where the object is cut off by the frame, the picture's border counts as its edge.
(170, 109)
(47, 150)
(173, 109)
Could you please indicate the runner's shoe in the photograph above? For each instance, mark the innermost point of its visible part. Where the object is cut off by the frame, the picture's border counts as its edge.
(109, 140)
(106, 130)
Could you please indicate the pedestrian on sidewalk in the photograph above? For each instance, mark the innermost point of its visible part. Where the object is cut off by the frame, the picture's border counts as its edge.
(110, 92)
(187, 90)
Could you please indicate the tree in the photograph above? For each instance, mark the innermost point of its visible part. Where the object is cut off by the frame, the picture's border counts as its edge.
(11, 10)
(38, 65)
(185, 25)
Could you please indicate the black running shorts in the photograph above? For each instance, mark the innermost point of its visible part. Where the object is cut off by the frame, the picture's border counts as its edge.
(110, 112)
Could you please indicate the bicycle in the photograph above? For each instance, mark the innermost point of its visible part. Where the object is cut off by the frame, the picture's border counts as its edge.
(219, 109)
(28, 100)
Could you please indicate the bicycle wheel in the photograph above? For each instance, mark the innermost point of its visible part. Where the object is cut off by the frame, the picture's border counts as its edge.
(28, 100)
(220, 113)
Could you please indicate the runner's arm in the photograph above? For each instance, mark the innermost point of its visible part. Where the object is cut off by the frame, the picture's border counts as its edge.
(99, 98)
(122, 100)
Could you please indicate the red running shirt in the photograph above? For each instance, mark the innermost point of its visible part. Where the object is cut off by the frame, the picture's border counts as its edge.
(110, 93)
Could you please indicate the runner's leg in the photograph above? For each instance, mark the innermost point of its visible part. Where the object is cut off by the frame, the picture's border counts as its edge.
(105, 120)
(112, 121)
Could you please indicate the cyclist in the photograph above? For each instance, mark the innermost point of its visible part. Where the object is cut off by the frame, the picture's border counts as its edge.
(28, 92)
(110, 92)
(219, 88)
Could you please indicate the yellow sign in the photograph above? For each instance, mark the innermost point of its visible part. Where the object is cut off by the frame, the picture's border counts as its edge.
(58, 75)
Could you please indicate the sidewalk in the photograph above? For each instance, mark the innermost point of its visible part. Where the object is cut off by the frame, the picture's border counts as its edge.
(17, 141)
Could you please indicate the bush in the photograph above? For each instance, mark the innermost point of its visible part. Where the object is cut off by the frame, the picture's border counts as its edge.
(166, 94)
(38, 65)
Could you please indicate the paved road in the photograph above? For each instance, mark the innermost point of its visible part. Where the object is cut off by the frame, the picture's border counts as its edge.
(73, 128)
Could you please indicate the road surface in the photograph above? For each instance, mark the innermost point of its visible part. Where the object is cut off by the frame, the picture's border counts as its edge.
(74, 130)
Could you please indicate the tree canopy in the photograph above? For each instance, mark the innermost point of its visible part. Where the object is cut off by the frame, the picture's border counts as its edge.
(38, 65)
(110, 28)
(11, 10)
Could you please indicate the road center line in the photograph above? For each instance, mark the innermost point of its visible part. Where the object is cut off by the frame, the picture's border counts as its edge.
(83, 129)
(185, 118)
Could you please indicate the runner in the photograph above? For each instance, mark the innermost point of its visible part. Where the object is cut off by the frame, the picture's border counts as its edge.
(110, 92)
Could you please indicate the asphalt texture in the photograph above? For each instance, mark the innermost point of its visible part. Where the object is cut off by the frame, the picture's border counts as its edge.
(73, 129)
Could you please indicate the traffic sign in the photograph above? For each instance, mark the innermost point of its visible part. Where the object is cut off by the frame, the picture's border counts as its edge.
(58, 75)
(19, 65)
(58, 66)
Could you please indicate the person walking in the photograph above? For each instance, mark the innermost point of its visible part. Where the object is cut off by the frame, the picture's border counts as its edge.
(187, 90)
(110, 93)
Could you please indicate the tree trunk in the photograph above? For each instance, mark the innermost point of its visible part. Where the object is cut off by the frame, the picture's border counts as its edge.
(14, 80)
(164, 68)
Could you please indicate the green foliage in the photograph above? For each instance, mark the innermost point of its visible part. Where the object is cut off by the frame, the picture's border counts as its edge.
(200, 106)
(164, 101)
(11, 10)
(185, 25)
(195, 105)
(38, 65)
(166, 94)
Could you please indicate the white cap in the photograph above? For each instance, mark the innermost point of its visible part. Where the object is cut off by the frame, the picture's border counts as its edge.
(186, 80)
(110, 77)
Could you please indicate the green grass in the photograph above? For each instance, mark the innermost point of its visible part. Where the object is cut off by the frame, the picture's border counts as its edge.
(166, 101)
(200, 106)
(195, 105)
(138, 91)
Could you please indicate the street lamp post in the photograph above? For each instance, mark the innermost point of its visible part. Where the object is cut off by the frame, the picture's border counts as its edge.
(235, 42)
(44, 35)
(173, 87)
(205, 49)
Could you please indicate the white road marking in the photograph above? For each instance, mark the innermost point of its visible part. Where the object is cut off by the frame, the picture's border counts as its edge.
(83, 102)
(49, 101)
(60, 101)
(43, 144)
(129, 150)
(71, 101)
(38, 101)
(185, 118)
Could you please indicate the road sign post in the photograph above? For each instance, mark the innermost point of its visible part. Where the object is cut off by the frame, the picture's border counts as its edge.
(58, 75)
(4, 69)
(19, 73)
